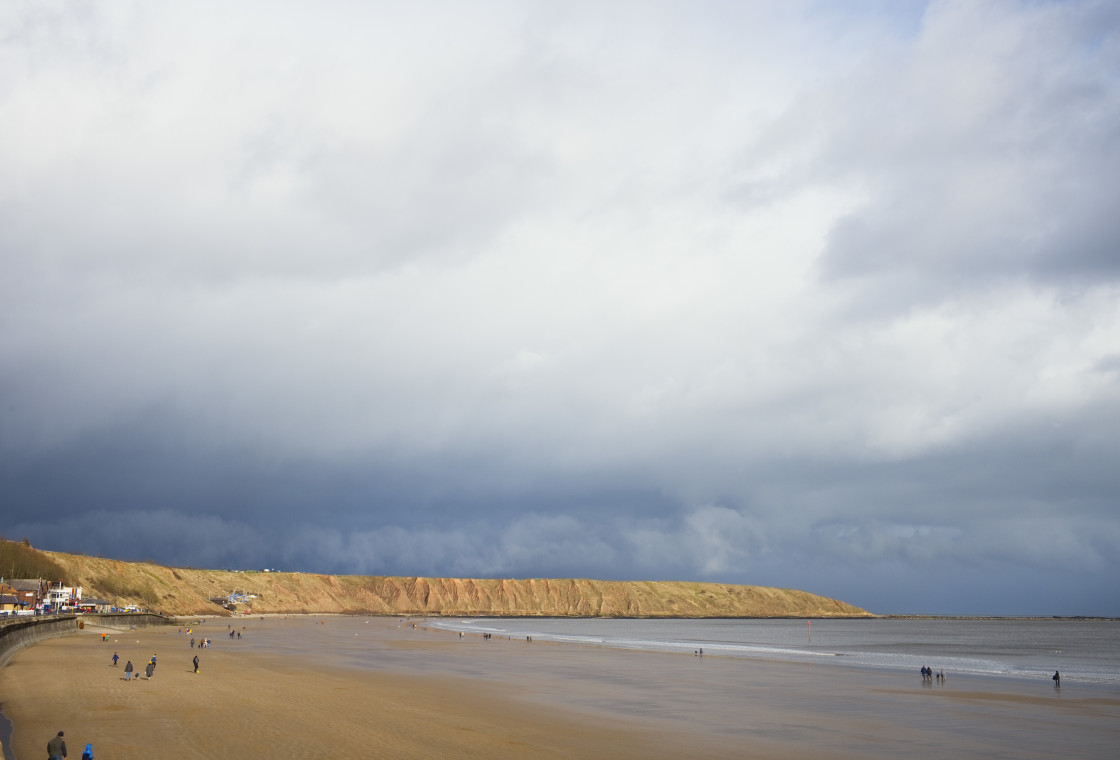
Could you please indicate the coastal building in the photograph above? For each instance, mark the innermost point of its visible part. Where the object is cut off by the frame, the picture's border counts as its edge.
(93, 604)
(236, 601)
(28, 591)
(59, 596)
(8, 599)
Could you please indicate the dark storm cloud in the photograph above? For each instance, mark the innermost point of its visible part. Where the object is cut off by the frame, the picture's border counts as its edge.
(789, 294)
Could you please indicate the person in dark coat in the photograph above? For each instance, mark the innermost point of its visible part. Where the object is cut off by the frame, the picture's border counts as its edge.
(128, 671)
(56, 747)
(196, 663)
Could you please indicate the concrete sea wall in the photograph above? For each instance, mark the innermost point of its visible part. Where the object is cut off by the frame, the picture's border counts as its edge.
(19, 632)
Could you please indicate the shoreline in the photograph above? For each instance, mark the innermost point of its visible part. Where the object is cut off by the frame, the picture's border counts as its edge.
(835, 648)
(416, 691)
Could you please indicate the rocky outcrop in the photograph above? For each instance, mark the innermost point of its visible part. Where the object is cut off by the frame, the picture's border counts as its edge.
(188, 591)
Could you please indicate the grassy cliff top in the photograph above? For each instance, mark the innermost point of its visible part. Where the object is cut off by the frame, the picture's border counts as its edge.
(189, 591)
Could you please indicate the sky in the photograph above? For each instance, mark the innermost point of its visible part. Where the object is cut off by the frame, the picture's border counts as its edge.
(817, 295)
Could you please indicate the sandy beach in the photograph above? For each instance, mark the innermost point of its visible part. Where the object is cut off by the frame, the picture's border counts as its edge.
(432, 694)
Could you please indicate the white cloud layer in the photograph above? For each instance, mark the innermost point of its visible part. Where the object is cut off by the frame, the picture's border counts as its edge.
(785, 293)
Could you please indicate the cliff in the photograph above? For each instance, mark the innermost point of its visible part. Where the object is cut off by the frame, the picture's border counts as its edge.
(188, 591)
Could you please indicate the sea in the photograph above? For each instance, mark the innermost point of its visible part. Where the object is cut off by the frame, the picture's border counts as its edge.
(1082, 650)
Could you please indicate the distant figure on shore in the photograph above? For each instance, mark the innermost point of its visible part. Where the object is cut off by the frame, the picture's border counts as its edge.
(192, 642)
(56, 747)
(1057, 677)
(88, 754)
(196, 663)
(150, 670)
(128, 671)
(115, 658)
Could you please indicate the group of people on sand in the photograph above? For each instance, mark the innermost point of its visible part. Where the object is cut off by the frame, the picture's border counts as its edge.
(928, 675)
(56, 748)
(149, 669)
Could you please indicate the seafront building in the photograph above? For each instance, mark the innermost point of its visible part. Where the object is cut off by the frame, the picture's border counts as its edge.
(59, 596)
(91, 604)
(28, 595)
(9, 602)
(29, 592)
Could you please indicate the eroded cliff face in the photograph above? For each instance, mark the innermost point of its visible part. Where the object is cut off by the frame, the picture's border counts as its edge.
(187, 591)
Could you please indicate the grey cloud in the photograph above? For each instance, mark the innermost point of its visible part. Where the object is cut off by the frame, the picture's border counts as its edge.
(181, 538)
(979, 153)
(823, 298)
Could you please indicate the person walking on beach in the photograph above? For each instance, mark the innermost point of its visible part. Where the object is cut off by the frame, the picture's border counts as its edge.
(1057, 677)
(128, 671)
(56, 747)
(115, 658)
(196, 663)
(150, 670)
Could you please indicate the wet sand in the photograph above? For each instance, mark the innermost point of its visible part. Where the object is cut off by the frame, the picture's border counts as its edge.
(350, 688)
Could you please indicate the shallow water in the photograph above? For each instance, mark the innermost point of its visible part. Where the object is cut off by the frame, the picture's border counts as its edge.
(1087, 651)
